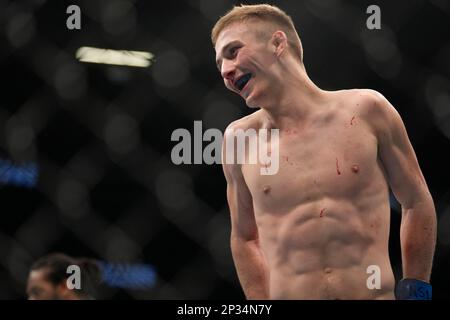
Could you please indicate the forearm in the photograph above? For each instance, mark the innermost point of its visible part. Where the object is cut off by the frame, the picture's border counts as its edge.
(418, 239)
(251, 268)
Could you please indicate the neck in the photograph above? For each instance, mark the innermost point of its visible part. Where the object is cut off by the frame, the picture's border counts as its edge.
(295, 100)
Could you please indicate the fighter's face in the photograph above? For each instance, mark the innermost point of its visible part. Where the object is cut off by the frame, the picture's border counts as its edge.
(244, 60)
(39, 288)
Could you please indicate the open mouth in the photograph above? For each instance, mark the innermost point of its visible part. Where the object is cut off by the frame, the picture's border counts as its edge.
(242, 81)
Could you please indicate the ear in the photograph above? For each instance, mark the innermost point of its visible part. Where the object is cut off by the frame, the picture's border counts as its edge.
(279, 42)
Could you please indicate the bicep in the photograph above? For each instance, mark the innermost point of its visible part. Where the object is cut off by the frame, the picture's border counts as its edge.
(240, 202)
(398, 157)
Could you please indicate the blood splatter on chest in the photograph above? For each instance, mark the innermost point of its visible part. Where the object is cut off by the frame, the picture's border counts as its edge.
(329, 161)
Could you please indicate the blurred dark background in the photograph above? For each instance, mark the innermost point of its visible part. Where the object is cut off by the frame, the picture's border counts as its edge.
(100, 134)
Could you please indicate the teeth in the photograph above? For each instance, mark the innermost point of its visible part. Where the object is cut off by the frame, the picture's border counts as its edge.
(241, 82)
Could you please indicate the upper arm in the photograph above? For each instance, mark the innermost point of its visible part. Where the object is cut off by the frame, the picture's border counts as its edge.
(240, 201)
(396, 152)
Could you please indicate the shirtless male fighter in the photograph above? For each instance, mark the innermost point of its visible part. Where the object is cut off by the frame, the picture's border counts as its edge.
(312, 230)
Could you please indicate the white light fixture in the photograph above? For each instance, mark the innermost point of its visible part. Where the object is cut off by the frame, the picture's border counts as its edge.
(141, 59)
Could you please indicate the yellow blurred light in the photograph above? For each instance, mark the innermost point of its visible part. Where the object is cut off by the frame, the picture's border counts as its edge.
(141, 59)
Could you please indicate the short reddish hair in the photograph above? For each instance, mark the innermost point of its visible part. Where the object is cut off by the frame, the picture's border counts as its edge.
(265, 13)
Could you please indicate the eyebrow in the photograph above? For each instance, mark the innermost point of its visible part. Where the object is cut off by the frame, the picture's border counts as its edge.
(225, 48)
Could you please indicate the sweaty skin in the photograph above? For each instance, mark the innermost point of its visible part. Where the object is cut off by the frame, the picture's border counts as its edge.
(321, 222)
(315, 228)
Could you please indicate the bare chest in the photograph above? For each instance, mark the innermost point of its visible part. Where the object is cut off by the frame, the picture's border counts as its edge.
(327, 161)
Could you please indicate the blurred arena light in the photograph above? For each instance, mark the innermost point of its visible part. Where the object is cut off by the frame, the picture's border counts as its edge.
(25, 175)
(126, 275)
(141, 59)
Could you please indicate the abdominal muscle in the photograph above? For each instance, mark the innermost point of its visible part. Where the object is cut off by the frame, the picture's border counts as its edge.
(327, 256)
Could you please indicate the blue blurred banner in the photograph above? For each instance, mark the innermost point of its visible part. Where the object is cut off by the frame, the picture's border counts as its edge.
(129, 276)
(25, 175)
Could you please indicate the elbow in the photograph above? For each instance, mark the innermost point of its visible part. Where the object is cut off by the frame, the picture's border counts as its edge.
(238, 240)
(422, 202)
(243, 249)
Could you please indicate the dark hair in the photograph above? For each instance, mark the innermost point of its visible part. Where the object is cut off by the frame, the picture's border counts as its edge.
(56, 264)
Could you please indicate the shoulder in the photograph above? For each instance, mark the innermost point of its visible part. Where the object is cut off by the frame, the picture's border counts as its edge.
(371, 102)
(251, 121)
(232, 168)
(374, 108)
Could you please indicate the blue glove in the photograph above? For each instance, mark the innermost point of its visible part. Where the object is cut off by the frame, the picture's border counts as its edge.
(412, 289)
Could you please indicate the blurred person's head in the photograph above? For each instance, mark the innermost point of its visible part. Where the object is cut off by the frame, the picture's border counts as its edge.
(48, 276)
(257, 50)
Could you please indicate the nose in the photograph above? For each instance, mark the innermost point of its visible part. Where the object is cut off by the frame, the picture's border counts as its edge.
(228, 70)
